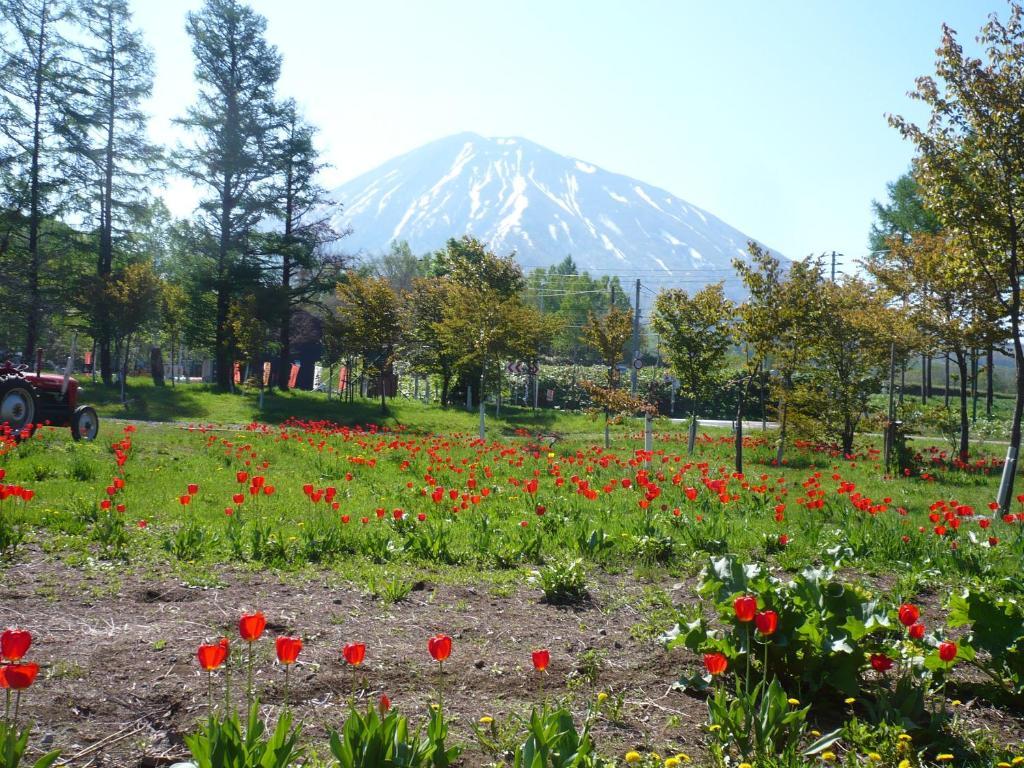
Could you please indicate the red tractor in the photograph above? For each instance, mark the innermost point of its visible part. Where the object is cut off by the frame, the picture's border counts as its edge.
(43, 398)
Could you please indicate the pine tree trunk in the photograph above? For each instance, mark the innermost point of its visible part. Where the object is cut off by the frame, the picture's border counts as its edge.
(35, 301)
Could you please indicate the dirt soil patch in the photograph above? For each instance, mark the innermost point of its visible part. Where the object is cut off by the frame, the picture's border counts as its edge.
(120, 684)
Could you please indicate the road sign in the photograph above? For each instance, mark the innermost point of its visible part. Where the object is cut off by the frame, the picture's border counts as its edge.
(520, 367)
(638, 363)
(534, 370)
(511, 367)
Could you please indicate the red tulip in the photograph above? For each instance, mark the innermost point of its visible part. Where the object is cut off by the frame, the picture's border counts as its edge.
(184, 500)
(238, 498)
(288, 649)
(715, 663)
(384, 705)
(745, 607)
(440, 647)
(354, 653)
(909, 614)
(193, 489)
(212, 655)
(251, 626)
(541, 659)
(916, 631)
(947, 651)
(14, 643)
(766, 622)
(20, 676)
(880, 662)
(242, 476)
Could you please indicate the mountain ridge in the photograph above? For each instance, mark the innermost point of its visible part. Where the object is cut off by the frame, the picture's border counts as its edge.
(516, 195)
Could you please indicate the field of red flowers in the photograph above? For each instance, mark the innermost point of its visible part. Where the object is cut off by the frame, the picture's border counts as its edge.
(666, 607)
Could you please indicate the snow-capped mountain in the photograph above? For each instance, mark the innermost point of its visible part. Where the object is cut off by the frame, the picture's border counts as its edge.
(518, 196)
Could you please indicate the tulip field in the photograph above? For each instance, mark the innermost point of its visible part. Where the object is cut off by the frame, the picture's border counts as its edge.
(389, 595)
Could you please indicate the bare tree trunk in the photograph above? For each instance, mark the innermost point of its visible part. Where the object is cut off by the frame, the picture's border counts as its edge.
(989, 382)
(961, 366)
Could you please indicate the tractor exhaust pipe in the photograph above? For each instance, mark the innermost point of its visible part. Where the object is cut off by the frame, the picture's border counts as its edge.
(68, 366)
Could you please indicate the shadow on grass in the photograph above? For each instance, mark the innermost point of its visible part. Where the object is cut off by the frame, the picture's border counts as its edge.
(202, 403)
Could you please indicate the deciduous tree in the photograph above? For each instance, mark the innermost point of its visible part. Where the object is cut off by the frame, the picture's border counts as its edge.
(970, 160)
(696, 332)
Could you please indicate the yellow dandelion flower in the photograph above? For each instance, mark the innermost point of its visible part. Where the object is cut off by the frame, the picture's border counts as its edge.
(745, 765)
(904, 763)
(633, 757)
(551, 454)
(684, 757)
(828, 757)
(944, 757)
(874, 757)
(672, 762)
(602, 697)
(1017, 760)
(486, 720)
(956, 702)
(815, 733)
(714, 728)
(1003, 764)
(904, 737)
(794, 702)
(849, 700)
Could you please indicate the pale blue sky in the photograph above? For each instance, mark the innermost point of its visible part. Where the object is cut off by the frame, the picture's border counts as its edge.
(769, 115)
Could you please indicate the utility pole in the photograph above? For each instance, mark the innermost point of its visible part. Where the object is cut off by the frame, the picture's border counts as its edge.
(636, 340)
(833, 266)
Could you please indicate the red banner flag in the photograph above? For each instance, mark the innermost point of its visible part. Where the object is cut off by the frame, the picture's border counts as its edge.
(342, 378)
(238, 373)
(293, 375)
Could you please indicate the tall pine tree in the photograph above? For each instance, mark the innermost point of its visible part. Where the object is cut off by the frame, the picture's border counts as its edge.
(234, 122)
(298, 263)
(33, 71)
(113, 162)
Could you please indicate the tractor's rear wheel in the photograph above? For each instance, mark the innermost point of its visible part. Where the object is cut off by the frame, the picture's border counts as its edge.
(17, 405)
(85, 424)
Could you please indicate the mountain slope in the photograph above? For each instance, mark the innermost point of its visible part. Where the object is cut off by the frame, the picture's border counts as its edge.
(517, 195)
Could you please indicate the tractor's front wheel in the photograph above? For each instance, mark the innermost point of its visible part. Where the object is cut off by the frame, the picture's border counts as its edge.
(17, 406)
(85, 424)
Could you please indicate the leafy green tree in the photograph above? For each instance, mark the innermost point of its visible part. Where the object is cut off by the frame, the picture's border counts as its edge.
(467, 261)
(400, 266)
(854, 330)
(367, 323)
(776, 320)
(970, 159)
(607, 335)
(481, 327)
(132, 296)
(951, 314)
(112, 163)
(233, 121)
(902, 219)
(422, 347)
(696, 332)
(571, 296)
(33, 86)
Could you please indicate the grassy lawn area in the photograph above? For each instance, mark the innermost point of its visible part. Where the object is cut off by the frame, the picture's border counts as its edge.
(134, 549)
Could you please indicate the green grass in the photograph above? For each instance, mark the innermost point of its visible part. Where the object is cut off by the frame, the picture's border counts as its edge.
(614, 511)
